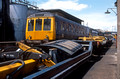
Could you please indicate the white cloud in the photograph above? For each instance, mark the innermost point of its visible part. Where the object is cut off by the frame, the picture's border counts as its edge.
(65, 5)
(100, 21)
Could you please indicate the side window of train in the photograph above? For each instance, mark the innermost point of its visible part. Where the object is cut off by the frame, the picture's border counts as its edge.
(38, 24)
(67, 27)
(30, 25)
(72, 28)
(61, 25)
(57, 25)
(47, 24)
(79, 30)
(64, 26)
(82, 31)
(75, 29)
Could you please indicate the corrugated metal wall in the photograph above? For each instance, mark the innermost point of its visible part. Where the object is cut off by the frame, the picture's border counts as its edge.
(18, 16)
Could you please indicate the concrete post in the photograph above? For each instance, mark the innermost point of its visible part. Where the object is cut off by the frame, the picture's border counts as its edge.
(118, 39)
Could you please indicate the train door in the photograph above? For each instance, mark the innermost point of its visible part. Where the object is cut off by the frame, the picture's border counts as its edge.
(44, 28)
(30, 29)
(49, 28)
(38, 34)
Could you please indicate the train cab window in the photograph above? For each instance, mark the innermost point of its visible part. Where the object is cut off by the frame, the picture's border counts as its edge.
(30, 25)
(38, 24)
(47, 24)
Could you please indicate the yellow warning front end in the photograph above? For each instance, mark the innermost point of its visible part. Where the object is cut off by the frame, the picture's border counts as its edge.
(40, 28)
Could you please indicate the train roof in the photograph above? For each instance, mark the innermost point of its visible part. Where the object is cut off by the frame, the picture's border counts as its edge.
(64, 14)
(41, 14)
(59, 12)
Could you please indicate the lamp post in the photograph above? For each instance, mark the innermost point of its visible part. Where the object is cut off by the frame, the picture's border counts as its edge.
(107, 12)
(117, 4)
(112, 9)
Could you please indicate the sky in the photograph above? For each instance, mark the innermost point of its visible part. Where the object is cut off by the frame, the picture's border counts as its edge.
(91, 11)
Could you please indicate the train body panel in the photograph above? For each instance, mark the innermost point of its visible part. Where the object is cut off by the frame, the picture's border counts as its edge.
(63, 55)
(37, 31)
(93, 32)
(53, 27)
(67, 29)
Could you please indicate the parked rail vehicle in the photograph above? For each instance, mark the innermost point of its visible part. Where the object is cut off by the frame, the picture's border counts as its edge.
(49, 60)
(55, 59)
(47, 25)
(93, 32)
